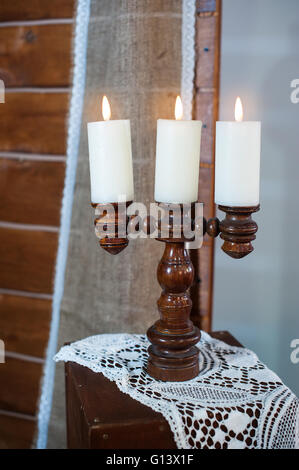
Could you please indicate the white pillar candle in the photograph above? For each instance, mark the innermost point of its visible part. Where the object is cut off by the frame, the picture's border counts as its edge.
(237, 172)
(177, 159)
(110, 159)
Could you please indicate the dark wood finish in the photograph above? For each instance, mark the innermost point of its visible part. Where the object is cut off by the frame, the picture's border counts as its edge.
(24, 324)
(19, 389)
(34, 122)
(238, 230)
(36, 9)
(173, 355)
(212, 227)
(27, 259)
(23, 62)
(20, 183)
(100, 416)
(226, 337)
(16, 432)
(111, 221)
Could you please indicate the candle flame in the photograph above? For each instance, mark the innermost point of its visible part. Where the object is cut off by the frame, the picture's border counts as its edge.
(238, 110)
(106, 110)
(178, 112)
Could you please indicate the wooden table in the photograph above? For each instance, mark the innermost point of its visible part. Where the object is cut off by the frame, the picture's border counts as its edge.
(100, 416)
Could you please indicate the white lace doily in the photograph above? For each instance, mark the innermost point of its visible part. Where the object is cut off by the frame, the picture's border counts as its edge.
(236, 401)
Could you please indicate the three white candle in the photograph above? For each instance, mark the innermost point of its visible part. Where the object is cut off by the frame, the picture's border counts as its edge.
(177, 159)
(237, 172)
(110, 158)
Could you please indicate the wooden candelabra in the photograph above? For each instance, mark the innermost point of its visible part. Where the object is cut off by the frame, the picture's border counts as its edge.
(173, 354)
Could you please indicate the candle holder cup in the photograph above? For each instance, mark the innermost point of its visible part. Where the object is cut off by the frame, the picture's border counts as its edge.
(111, 225)
(173, 354)
(237, 230)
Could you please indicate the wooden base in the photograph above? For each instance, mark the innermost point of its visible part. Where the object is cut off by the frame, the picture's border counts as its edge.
(173, 368)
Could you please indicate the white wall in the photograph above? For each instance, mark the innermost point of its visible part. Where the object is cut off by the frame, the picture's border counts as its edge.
(257, 298)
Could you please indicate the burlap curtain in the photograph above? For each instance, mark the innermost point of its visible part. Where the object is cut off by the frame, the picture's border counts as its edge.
(134, 57)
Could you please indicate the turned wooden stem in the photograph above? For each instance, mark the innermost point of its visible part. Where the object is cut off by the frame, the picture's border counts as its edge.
(173, 355)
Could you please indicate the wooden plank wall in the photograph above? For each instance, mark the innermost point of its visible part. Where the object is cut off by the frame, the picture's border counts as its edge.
(208, 20)
(35, 65)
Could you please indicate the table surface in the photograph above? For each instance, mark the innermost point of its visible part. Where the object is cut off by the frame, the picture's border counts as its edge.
(104, 404)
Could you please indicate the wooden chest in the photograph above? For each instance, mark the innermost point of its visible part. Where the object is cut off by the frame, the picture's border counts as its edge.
(99, 416)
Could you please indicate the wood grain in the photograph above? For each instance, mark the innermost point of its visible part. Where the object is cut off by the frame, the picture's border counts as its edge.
(206, 280)
(19, 385)
(23, 62)
(206, 6)
(206, 193)
(24, 324)
(202, 287)
(238, 230)
(34, 122)
(34, 53)
(16, 432)
(206, 48)
(205, 106)
(208, 24)
(36, 9)
(27, 259)
(20, 183)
